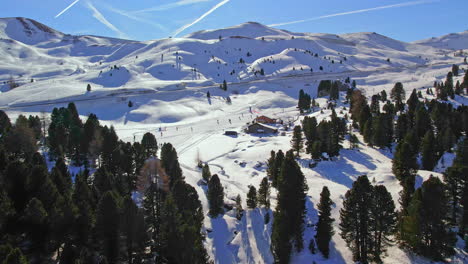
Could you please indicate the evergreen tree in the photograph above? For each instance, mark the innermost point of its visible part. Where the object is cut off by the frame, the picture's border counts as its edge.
(424, 228)
(215, 196)
(428, 151)
(279, 162)
(239, 209)
(288, 226)
(252, 198)
(170, 163)
(383, 220)
(264, 193)
(297, 140)
(455, 69)
(108, 226)
(149, 144)
(398, 92)
(334, 91)
(206, 174)
(272, 170)
(404, 167)
(356, 221)
(324, 225)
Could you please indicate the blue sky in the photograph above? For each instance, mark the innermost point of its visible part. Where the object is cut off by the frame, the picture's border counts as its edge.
(151, 19)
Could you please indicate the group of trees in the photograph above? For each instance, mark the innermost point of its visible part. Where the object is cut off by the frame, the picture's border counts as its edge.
(323, 137)
(368, 219)
(304, 102)
(87, 218)
(424, 131)
(288, 225)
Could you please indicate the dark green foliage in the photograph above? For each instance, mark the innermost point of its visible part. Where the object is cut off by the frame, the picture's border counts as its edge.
(404, 167)
(5, 123)
(384, 218)
(288, 225)
(264, 193)
(206, 174)
(398, 94)
(272, 170)
(324, 225)
(423, 228)
(297, 140)
(15, 257)
(304, 101)
(108, 226)
(239, 209)
(455, 69)
(428, 151)
(279, 162)
(149, 144)
(170, 163)
(252, 198)
(334, 91)
(355, 219)
(215, 196)
(368, 218)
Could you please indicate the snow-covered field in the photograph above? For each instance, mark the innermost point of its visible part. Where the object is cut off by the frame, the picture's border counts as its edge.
(167, 81)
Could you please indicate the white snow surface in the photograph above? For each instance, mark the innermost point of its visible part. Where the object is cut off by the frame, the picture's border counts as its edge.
(169, 100)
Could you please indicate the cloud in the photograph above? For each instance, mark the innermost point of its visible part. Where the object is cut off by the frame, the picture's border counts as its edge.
(355, 12)
(184, 27)
(98, 15)
(134, 17)
(169, 6)
(68, 7)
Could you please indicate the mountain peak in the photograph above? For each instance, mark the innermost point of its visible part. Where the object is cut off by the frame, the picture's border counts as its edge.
(248, 30)
(26, 30)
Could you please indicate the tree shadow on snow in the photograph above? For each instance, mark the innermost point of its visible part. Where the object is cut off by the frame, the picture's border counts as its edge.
(222, 237)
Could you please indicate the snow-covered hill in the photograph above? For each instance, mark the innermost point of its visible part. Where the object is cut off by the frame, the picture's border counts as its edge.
(167, 81)
(455, 41)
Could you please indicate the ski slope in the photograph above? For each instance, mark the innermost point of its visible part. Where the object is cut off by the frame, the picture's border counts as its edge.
(167, 81)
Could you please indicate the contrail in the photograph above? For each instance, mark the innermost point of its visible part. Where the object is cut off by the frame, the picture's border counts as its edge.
(134, 17)
(169, 6)
(220, 4)
(355, 12)
(103, 20)
(68, 7)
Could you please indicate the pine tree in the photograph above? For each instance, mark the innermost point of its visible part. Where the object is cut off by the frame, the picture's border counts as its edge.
(239, 209)
(149, 144)
(170, 163)
(272, 169)
(88, 87)
(404, 167)
(288, 226)
(424, 228)
(206, 174)
(324, 225)
(264, 193)
(297, 140)
(279, 164)
(428, 151)
(108, 226)
(384, 218)
(252, 198)
(215, 196)
(398, 92)
(356, 221)
(334, 91)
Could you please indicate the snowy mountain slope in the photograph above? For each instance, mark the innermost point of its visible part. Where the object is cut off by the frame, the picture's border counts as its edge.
(169, 100)
(454, 41)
